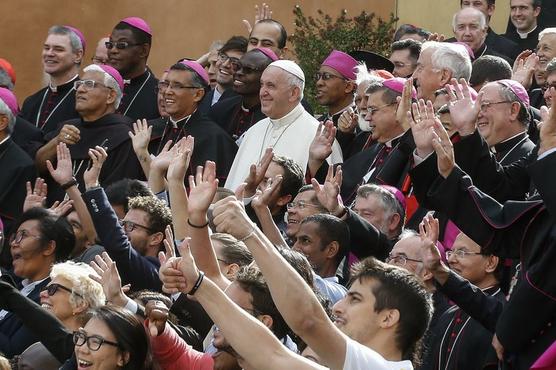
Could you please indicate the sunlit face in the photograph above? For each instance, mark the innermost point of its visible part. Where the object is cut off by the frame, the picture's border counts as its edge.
(266, 35)
(481, 5)
(468, 29)
(225, 67)
(247, 79)
(58, 304)
(546, 50)
(334, 90)
(212, 69)
(57, 55)
(403, 64)
(473, 267)
(308, 242)
(139, 237)
(181, 96)
(372, 210)
(125, 60)
(108, 357)
(305, 204)
(361, 100)
(101, 53)
(523, 15)
(550, 82)
(93, 101)
(405, 254)
(382, 118)
(160, 96)
(493, 121)
(29, 260)
(277, 95)
(427, 78)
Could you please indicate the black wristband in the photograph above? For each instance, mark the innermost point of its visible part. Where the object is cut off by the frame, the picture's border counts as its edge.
(197, 283)
(197, 226)
(69, 184)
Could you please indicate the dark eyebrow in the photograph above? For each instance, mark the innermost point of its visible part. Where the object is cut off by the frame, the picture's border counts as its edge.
(355, 294)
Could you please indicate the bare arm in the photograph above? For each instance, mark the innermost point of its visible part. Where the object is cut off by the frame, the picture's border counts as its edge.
(260, 206)
(140, 138)
(176, 187)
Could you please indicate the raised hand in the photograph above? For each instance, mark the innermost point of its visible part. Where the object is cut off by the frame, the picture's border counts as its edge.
(429, 231)
(348, 121)
(524, 68)
(202, 190)
(230, 217)
(328, 193)
(548, 126)
(179, 163)
(264, 197)
(140, 137)
(257, 173)
(62, 208)
(463, 110)
(109, 277)
(439, 37)
(262, 12)
(321, 146)
(98, 156)
(162, 161)
(422, 122)
(63, 172)
(35, 196)
(157, 314)
(404, 104)
(172, 279)
(444, 150)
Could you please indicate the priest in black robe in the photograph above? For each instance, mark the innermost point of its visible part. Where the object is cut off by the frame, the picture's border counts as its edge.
(128, 50)
(238, 113)
(61, 56)
(185, 86)
(16, 166)
(98, 95)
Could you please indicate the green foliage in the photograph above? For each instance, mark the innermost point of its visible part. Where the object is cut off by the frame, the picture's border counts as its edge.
(315, 38)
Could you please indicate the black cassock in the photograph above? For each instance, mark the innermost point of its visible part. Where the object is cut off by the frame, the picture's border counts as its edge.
(16, 168)
(523, 230)
(212, 143)
(27, 136)
(139, 99)
(111, 132)
(233, 118)
(48, 107)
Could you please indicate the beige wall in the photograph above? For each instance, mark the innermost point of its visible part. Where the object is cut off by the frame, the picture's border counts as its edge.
(181, 27)
(436, 15)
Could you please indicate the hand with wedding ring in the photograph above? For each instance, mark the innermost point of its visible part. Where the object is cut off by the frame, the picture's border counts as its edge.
(69, 134)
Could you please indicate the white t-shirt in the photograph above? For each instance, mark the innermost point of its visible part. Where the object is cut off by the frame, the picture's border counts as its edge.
(359, 357)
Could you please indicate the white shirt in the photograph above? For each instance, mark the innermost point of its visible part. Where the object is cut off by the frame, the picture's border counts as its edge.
(360, 357)
(289, 136)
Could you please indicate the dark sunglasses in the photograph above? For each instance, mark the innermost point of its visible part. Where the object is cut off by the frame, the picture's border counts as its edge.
(51, 289)
(120, 45)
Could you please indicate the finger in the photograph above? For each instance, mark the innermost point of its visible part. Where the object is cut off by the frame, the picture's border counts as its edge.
(339, 176)
(199, 175)
(126, 288)
(240, 191)
(50, 169)
(97, 269)
(30, 190)
(415, 110)
(429, 109)
(316, 186)
(100, 262)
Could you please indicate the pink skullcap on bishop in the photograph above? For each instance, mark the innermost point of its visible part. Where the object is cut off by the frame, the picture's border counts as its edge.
(9, 99)
(382, 73)
(269, 53)
(397, 193)
(341, 62)
(114, 73)
(79, 34)
(397, 84)
(198, 69)
(517, 89)
(138, 23)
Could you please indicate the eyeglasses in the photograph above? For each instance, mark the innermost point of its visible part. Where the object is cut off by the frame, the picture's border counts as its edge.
(325, 76)
(461, 253)
(372, 111)
(94, 342)
(234, 62)
(400, 260)
(165, 85)
(53, 288)
(301, 205)
(485, 106)
(87, 84)
(548, 86)
(98, 60)
(129, 226)
(248, 70)
(120, 45)
(18, 237)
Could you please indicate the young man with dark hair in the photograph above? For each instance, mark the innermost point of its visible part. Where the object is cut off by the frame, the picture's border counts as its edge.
(404, 55)
(121, 191)
(128, 50)
(489, 68)
(268, 33)
(524, 16)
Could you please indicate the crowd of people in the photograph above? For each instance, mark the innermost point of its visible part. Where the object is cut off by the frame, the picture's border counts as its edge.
(208, 219)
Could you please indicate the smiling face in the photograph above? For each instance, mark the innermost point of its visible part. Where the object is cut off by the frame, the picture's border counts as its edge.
(476, 268)
(550, 82)
(426, 77)
(181, 98)
(309, 243)
(481, 5)
(58, 304)
(225, 70)
(247, 79)
(382, 118)
(546, 49)
(278, 97)
(58, 57)
(108, 357)
(305, 205)
(523, 15)
(493, 121)
(265, 35)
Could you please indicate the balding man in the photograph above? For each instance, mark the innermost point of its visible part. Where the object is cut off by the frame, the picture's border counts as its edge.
(289, 129)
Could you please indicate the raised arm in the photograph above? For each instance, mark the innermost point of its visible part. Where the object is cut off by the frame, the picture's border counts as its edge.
(140, 137)
(179, 164)
(260, 206)
(293, 297)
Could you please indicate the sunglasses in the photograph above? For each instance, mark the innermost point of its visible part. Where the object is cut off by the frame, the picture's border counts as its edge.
(51, 289)
(120, 45)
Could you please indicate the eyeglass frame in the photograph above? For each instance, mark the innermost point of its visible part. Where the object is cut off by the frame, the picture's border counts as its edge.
(77, 84)
(234, 62)
(81, 335)
(461, 253)
(403, 258)
(372, 111)
(174, 86)
(111, 44)
(325, 76)
(301, 205)
(22, 235)
(486, 105)
(51, 289)
(134, 225)
(248, 70)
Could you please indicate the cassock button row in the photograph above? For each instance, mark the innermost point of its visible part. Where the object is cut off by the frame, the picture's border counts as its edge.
(453, 335)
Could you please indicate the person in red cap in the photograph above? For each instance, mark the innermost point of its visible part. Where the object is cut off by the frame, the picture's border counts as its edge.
(98, 95)
(238, 113)
(17, 167)
(184, 87)
(62, 55)
(129, 47)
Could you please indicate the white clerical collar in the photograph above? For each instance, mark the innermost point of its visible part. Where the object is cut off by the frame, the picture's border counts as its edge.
(389, 143)
(350, 105)
(288, 118)
(493, 148)
(5, 139)
(55, 88)
(186, 118)
(526, 34)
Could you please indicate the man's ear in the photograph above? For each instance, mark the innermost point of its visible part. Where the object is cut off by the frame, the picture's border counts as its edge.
(266, 320)
(145, 50)
(394, 222)
(50, 249)
(389, 318)
(332, 250)
(78, 57)
(492, 263)
(4, 122)
(111, 97)
(231, 270)
(199, 94)
(445, 77)
(156, 239)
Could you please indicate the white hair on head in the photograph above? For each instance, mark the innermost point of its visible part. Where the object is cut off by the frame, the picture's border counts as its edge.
(547, 31)
(292, 80)
(109, 81)
(4, 109)
(84, 289)
(478, 13)
(452, 57)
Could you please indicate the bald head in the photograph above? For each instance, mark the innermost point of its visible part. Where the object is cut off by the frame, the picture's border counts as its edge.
(470, 27)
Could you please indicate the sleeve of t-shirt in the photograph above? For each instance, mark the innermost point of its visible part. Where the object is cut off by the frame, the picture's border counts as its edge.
(360, 357)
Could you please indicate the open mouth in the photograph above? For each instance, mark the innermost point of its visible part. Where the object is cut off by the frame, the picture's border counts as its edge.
(83, 364)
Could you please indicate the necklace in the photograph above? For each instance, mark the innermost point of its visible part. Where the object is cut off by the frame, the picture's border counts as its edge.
(53, 110)
(512, 149)
(279, 137)
(137, 93)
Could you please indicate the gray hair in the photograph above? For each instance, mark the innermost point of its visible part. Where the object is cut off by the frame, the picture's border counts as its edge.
(390, 204)
(547, 31)
(551, 67)
(507, 94)
(295, 81)
(4, 109)
(75, 41)
(6, 80)
(84, 289)
(481, 15)
(109, 81)
(452, 57)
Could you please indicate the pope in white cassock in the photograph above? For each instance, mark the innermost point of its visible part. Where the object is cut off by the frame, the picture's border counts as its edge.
(289, 128)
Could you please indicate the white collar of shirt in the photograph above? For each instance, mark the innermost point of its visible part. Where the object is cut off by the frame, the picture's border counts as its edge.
(524, 35)
(216, 96)
(493, 148)
(288, 118)
(350, 105)
(175, 122)
(333, 279)
(389, 142)
(55, 88)
(3, 141)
